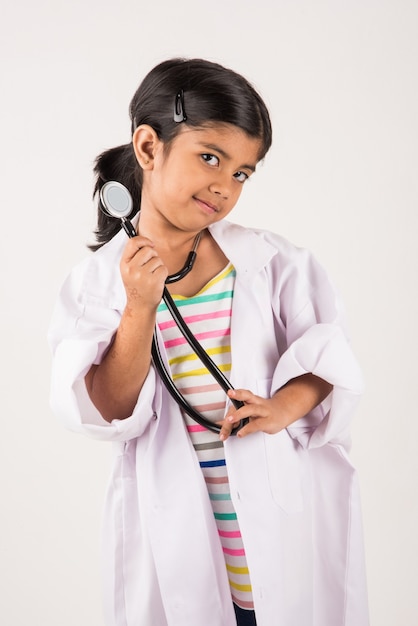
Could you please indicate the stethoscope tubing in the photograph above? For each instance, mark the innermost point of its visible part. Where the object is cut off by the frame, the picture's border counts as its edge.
(197, 347)
(206, 361)
(194, 344)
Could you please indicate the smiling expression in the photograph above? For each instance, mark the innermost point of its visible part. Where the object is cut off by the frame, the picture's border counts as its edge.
(199, 179)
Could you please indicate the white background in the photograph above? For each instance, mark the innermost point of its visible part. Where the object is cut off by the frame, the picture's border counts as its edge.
(340, 78)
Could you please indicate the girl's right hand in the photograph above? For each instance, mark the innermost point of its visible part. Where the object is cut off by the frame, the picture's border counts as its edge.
(143, 273)
(115, 383)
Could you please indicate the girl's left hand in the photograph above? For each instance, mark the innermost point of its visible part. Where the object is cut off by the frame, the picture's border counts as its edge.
(263, 413)
(271, 415)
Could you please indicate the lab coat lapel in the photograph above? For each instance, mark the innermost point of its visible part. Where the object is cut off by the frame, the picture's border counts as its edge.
(248, 252)
(252, 318)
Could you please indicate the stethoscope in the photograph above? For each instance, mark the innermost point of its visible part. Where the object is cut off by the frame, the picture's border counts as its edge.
(116, 201)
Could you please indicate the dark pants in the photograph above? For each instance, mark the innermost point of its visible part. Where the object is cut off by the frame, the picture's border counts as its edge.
(244, 617)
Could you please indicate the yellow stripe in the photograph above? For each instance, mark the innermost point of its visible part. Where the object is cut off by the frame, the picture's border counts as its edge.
(193, 356)
(240, 587)
(215, 280)
(208, 285)
(202, 371)
(237, 570)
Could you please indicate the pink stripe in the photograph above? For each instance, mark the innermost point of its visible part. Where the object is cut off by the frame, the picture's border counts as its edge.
(233, 534)
(210, 407)
(196, 429)
(200, 336)
(213, 480)
(199, 389)
(242, 603)
(196, 318)
(240, 552)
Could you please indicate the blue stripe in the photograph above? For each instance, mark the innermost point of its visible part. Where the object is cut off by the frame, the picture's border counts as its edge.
(217, 463)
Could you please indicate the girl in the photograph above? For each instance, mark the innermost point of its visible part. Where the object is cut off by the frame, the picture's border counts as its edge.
(202, 527)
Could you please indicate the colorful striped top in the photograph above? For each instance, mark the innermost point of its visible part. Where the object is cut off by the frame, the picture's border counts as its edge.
(208, 314)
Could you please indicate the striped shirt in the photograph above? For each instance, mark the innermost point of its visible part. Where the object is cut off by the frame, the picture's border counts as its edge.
(208, 314)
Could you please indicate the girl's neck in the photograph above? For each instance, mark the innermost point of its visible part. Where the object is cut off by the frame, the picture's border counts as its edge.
(210, 260)
(165, 236)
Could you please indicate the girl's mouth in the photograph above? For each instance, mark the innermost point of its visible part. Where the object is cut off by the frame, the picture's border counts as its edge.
(206, 206)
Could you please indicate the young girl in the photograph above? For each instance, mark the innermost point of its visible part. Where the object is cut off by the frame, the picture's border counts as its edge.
(204, 528)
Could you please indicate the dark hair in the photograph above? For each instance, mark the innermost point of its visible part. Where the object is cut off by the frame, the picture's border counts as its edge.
(211, 94)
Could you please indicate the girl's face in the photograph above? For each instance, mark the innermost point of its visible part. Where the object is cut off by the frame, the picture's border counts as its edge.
(200, 178)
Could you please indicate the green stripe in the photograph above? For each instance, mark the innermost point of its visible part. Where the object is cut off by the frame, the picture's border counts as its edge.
(220, 496)
(225, 516)
(197, 299)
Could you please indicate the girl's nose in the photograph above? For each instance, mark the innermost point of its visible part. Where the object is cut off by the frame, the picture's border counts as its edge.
(220, 187)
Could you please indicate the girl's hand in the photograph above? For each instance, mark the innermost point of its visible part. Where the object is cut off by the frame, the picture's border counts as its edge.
(143, 273)
(261, 412)
(270, 415)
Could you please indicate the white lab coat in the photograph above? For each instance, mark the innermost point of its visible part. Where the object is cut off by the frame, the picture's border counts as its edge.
(295, 493)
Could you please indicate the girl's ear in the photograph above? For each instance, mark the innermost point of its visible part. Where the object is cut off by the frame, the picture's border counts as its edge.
(145, 143)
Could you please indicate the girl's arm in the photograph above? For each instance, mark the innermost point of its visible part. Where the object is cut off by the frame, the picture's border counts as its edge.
(114, 384)
(270, 415)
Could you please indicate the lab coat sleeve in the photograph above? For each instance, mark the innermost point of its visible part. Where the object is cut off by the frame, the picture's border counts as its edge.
(313, 320)
(79, 335)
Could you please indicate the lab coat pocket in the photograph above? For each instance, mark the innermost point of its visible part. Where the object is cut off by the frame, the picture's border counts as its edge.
(284, 471)
(283, 462)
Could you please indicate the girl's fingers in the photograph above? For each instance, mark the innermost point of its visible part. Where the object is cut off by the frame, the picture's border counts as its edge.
(244, 395)
(233, 418)
(228, 426)
(139, 255)
(225, 430)
(253, 426)
(147, 259)
(143, 272)
(254, 406)
(257, 409)
(134, 245)
(236, 415)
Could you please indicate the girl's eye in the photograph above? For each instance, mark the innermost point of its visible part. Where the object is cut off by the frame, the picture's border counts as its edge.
(241, 177)
(210, 159)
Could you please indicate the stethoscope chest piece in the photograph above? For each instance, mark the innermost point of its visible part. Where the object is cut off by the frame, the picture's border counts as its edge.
(116, 199)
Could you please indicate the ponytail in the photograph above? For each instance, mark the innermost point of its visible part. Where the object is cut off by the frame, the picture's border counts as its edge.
(117, 164)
